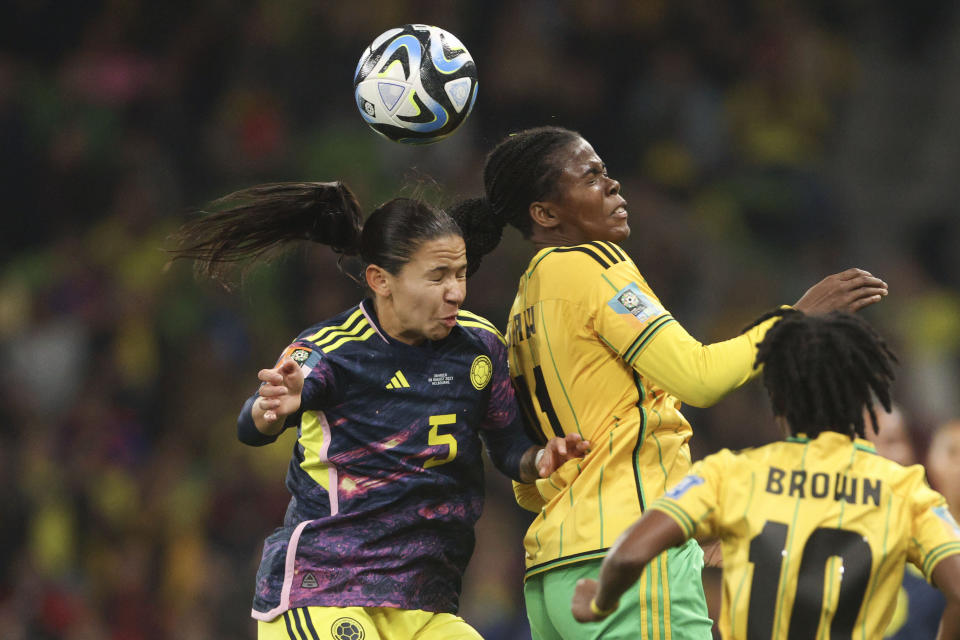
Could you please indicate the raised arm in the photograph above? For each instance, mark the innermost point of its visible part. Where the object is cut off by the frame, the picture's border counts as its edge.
(701, 374)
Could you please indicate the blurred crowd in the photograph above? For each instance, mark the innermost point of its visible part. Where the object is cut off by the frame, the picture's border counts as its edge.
(132, 513)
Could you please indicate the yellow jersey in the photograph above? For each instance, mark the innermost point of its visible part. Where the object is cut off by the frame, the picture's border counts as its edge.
(592, 350)
(815, 534)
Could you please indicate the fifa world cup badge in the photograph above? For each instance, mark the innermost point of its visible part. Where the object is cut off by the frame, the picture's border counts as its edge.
(630, 300)
(633, 301)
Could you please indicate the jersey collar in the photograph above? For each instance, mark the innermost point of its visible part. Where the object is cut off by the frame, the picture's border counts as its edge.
(370, 313)
(858, 443)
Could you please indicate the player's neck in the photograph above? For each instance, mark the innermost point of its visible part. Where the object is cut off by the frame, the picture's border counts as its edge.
(543, 238)
(391, 324)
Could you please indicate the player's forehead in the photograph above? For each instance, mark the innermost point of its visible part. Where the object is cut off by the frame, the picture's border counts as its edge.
(578, 158)
(443, 251)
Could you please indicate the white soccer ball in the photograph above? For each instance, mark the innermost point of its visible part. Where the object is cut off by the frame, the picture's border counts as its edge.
(415, 84)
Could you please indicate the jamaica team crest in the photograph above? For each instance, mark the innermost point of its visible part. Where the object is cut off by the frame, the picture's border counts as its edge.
(347, 629)
(480, 372)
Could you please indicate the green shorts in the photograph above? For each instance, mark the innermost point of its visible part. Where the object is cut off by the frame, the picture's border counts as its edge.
(666, 603)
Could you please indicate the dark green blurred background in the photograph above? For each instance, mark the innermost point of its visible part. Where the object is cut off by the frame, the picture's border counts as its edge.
(762, 145)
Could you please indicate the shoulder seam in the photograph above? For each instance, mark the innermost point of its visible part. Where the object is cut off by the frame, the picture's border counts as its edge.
(607, 249)
(606, 254)
(474, 316)
(590, 251)
(467, 319)
(338, 340)
(347, 325)
(618, 250)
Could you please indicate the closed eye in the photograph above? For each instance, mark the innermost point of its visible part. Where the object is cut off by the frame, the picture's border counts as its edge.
(594, 172)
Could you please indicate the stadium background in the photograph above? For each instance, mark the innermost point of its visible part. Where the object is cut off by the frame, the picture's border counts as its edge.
(762, 145)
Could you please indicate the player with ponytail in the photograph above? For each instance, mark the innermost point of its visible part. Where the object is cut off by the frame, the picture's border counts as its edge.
(392, 401)
(594, 352)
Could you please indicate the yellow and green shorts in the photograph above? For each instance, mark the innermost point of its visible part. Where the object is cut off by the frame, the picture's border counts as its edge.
(666, 603)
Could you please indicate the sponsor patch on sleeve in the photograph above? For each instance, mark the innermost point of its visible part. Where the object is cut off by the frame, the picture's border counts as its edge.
(683, 486)
(633, 301)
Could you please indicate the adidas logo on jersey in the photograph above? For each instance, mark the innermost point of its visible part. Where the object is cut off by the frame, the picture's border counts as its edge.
(398, 381)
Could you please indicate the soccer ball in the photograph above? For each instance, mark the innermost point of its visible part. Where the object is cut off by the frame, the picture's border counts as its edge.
(415, 84)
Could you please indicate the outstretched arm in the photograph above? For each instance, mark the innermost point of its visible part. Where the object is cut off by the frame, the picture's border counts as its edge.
(701, 375)
(649, 536)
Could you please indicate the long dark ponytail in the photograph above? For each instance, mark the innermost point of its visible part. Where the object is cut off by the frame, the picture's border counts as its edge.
(258, 222)
(520, 170)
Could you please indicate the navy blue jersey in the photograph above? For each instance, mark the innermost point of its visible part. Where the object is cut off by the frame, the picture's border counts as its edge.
(386, 476)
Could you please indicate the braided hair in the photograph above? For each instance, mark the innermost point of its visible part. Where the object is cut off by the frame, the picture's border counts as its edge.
(821, 371)
(258, 222)
(523, 168)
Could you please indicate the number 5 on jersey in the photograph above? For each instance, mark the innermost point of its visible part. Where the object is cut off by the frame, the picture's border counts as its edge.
(435, 439)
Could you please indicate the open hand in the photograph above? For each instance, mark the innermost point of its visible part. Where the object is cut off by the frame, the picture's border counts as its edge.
(560, 450)
(849, 290)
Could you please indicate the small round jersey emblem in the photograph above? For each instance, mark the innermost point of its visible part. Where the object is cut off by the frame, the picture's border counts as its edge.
(347, 629)
(480, 372)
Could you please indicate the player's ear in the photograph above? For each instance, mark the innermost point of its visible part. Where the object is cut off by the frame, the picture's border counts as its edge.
(542, 215)
(378, 280)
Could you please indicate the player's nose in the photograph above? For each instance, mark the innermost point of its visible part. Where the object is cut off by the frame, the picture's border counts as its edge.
(455, 293)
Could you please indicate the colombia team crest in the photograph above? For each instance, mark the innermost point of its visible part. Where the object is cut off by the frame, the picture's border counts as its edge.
(480, 372)
(347, 629)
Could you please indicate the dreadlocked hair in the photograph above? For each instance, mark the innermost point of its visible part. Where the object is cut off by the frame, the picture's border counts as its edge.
(821, 371)
(523, 168)
(256, 223)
